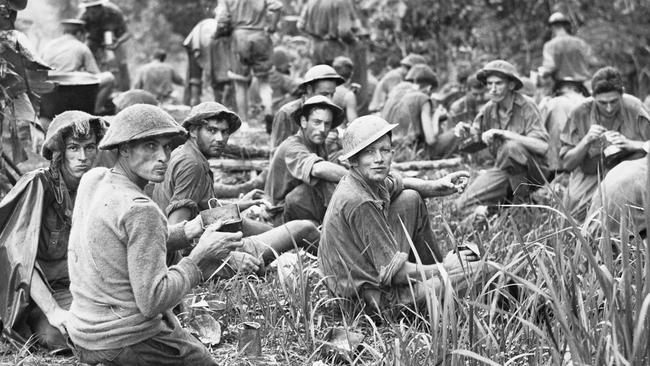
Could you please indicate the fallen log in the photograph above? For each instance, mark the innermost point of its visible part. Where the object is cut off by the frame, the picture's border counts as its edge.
(238, 165)
(245, 152)
(427, 164)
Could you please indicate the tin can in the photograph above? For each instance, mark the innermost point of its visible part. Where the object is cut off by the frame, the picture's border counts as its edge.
(250, 342)
(229, 215)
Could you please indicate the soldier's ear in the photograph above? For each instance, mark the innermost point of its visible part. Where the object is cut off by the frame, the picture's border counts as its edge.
(303, 122)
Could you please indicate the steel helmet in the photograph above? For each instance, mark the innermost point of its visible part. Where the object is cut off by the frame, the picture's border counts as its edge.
(63, 122)
(558, 18)
(321, 72)
(362, 132)
(500, 68)
(212, 109)
(337, 112)
(140, 121)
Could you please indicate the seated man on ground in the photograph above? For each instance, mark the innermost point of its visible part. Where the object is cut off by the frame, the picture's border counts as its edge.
(122, 290)
(300, 177)
(188, 187)
(418, 118)
(35, 221)
(391, 79)
(510, 125)
(602, 131)
(158, 77)
(365, 250)
(319, 80)
(623, 192)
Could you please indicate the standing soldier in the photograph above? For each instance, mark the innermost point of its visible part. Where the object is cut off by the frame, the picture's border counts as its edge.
(68, 53)
(251, 44)
(565, 55)
(107, 32)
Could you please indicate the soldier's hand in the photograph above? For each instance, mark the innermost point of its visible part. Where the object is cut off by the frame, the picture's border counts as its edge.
(255, 194)
(194, 227)
(244, 262)
(58, 318)
(452, 183)
(461, 129)
(595, 133)
(215, 245)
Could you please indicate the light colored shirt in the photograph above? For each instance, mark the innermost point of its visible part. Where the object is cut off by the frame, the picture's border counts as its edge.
(157, 78)
(246, 14)
(68, 54)
(119, 279)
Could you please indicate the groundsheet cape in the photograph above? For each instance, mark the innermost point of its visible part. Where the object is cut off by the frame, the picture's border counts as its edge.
(20, 223)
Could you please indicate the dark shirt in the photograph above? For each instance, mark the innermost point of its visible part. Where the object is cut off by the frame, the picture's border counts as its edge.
(188, 181)
(291, 166)
(111, 18)
(52, 253)
(358, 250)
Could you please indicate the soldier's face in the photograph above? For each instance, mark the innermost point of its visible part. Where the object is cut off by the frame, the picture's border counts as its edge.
(317, 126)
(148, 158)
(609, 103)
(373, 162)
(79, 154)
(325, 88)
(498, 87)
(212, 137)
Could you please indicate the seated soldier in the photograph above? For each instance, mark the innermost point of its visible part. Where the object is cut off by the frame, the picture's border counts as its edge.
(610, 117)
(122, 290)
(35, 221)
(365, 251)
(418, 118)
(300, 177)
(189, 186)
(510, 125)
(623, 192)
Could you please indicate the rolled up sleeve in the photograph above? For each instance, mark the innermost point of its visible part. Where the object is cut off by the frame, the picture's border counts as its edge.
(300, 162)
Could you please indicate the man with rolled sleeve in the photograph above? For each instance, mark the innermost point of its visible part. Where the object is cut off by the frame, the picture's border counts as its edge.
(300, 177)
(189, 186)
(610, 119)
(511, 126)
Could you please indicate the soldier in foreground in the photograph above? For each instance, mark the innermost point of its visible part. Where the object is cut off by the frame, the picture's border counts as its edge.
(122, 290)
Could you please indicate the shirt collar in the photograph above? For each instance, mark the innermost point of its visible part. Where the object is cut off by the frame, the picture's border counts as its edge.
(378, 192)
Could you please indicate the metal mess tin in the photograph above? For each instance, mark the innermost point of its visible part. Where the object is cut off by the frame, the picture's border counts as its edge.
(229, 215)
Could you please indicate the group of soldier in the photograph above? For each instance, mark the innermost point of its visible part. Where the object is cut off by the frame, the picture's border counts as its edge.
(100, 246)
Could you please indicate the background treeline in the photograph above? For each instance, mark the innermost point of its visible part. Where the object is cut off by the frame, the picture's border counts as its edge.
(455, 35)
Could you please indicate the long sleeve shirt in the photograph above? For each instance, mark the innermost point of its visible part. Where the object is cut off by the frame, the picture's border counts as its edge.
(119, 279)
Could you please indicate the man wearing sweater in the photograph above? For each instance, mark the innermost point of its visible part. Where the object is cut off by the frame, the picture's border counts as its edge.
(122, 290)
